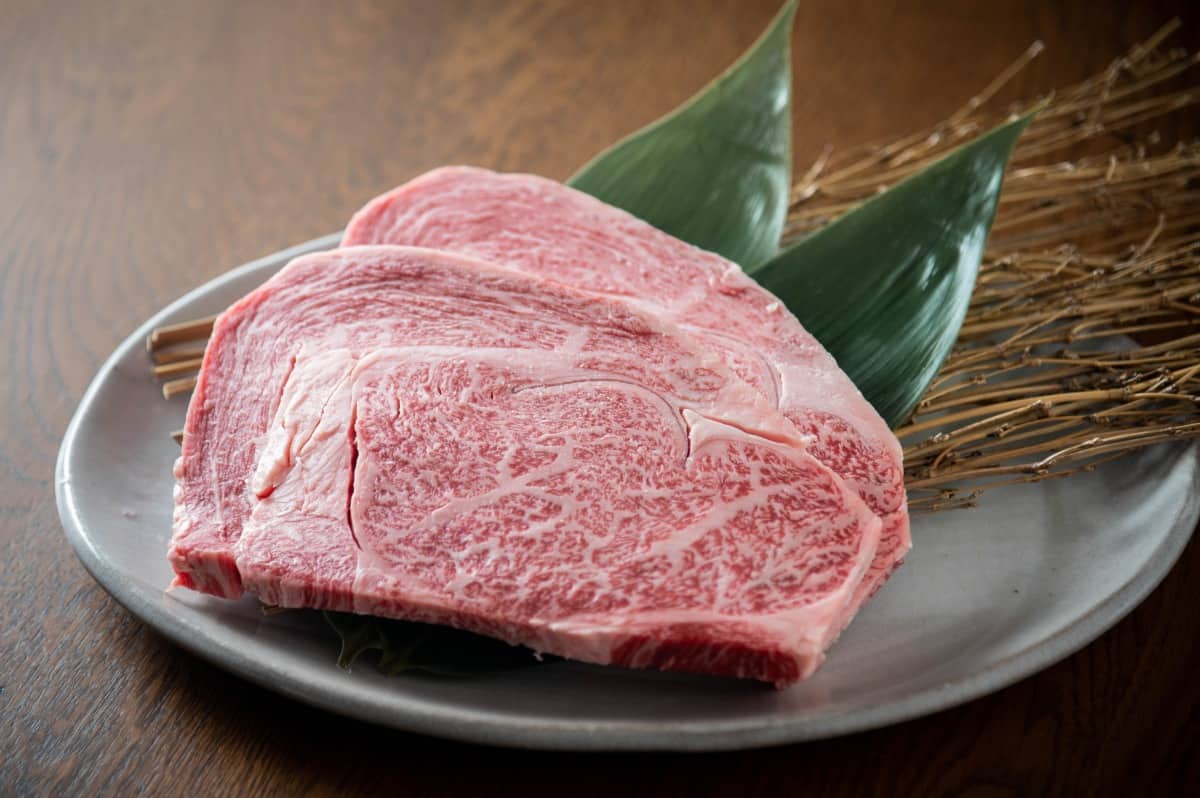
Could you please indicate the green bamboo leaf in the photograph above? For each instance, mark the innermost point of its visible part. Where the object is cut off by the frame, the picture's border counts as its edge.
(358, 634)
(717, 170)
(408, 646)
(886, 286)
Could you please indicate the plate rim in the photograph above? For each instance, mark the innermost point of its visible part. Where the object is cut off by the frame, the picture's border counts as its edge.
(480, 726)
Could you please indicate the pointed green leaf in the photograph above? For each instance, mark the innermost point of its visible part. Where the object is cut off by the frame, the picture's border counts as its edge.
(406, 646)
(886, 286)
(445, 651)
(358, 634)
(716, 171)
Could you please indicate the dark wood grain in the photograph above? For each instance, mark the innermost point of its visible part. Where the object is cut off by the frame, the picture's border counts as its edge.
(146, 147)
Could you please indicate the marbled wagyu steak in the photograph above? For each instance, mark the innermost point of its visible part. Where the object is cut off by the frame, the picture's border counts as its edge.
(417, 434)
(542, 227)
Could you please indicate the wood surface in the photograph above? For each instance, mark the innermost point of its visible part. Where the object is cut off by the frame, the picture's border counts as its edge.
(146, 147)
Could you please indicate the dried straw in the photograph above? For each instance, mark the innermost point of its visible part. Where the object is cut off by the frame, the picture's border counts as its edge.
(1082, 341)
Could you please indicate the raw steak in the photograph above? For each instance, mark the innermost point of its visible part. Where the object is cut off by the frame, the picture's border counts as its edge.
(543, 227)
(432, 438)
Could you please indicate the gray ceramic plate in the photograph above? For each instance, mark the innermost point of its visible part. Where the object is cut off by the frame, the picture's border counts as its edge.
(987, 597)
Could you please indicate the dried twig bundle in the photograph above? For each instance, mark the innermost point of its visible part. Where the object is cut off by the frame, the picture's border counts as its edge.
(1082, 341)
(1046, 379)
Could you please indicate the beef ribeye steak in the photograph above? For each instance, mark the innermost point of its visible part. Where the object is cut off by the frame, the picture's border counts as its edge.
(415, 434)
(542, 227)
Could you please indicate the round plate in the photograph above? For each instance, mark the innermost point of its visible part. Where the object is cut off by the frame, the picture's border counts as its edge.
(987, 596)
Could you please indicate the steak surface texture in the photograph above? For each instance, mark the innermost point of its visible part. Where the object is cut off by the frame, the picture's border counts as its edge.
(415, 434)
(542, 227)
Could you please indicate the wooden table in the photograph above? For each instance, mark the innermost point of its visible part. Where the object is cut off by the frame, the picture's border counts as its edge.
(147, 147)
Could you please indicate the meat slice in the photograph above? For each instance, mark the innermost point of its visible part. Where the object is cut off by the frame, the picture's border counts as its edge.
(542, 227)
(415, 434)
